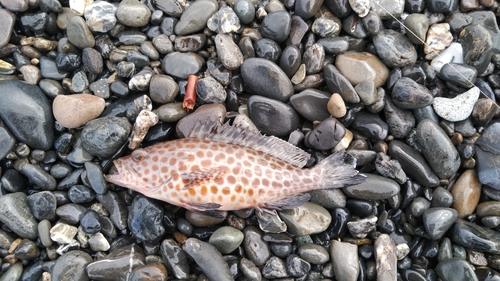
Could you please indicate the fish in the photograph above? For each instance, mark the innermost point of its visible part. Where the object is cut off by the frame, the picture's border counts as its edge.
(222, 167)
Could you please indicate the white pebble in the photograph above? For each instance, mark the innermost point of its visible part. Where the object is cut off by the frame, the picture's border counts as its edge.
(145, 120)
(457, 108)
(453, 53)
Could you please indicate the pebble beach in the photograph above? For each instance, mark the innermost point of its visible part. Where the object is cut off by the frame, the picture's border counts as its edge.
(408, 88)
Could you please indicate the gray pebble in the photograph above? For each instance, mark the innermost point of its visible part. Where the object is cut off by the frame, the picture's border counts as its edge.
(374, 188)
(314, 254)
(256, 249)
(261, 110)
(133, 13)
(207, 257)
(228, 52)
(79, 34)
(226, 239)
(43, 205)
(104, 136)
(16, 214)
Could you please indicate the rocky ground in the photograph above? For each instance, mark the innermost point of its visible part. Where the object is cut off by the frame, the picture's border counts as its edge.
(416, 107)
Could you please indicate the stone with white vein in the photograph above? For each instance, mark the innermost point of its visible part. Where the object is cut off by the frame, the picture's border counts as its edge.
(457, 108)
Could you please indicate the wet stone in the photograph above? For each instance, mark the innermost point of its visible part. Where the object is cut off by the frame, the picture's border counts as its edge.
(207, 258)
(71, 266)
(104, 136)
(7, 20)
(437, 149)
(314, 254)
(477, 46)
(92, 60)
(370, 125)
(43, 205)
(457, 108)
(144, 220)
(133, 13)
(361, 66)
(63, 233)
(228, 52)
(16, 214)
(256, 249)
(181, 65)
(27, 113)
(276, 26)
(153, 271)
(81, 194)
(249, 270)
(361, 227)
(90, 222)
(389, 168)
(345, 260)
(195, 17)
(225, 20)
(400, 121)
(438, 39)
(413, 163)
(13, 181)
(163, 89)
(117, 265)
(267, 49)
(307, 8)
(171, 112)
(338, 83)
(175, 258)
(385, 258)
(311, 104)
(79, 34)
(262, 110)
(100, 16)
(394, 49)
(460, 74)
(202, 220)
(327, 27)
(190, 43)
(226, 239)
(326, 135)
(438, 220)
(71, 213)
(203, 112)
(297, 267)
(306, 219)
(27, 250)
(408, 94)
(256, 73)
(455, 269)
(245, 11)
(169, 7)
(374, 188)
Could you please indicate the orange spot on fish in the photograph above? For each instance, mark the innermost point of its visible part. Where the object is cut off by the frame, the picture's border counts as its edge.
(174, 194)
(179, 145)
(220, 157)
(178, 187)
(164, 159)
(172, 161)
(203, 146)
(222, 145)
(238, 188)
(186, 181)
(250, 192)
(210, 154)
(233, 198)
(203, 190)
(287, 183)
(190, 157)
(186, 140)
(242, 200)
(155, 168)
(214, 189)
(198, 199)
(144, 163)
(307, 180)
(192, 191)
(220, 198)
(155, 158)
(276, 184)
(230, 160)
(182, 201)
(226, 190)
(164, 169)
(200, 154)
(248, 173)
(146, 171)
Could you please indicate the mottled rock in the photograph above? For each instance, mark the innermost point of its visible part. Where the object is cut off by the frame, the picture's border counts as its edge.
(73, 111)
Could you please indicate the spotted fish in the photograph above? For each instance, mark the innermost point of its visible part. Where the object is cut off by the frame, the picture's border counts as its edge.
(224, 167)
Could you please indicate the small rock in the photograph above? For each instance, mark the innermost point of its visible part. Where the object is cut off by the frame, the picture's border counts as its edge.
(307, 219)
(438, 39)
(207, 257)
(458, 108)
(73, 111)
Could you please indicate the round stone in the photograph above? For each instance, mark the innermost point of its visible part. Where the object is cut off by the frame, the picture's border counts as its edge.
(102, 137)
(73, 111)
(226, 239)
(133, 13)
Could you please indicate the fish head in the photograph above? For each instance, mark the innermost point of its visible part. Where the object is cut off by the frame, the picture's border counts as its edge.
(134, 172)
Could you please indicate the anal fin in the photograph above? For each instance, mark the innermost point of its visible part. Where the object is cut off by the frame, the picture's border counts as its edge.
(209, 209)
(289, 202)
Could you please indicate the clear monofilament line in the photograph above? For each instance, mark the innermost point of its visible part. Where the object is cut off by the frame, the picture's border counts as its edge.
(434, 52)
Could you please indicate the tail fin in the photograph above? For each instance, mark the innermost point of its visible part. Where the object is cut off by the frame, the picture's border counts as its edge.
(338, 170)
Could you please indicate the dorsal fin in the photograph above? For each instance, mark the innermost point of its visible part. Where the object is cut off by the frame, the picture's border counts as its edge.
(238, 135)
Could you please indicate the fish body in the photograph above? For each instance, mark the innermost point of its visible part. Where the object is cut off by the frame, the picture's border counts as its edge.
(222, 167)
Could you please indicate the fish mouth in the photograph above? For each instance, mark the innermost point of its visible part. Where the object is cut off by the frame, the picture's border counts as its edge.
(116, 177)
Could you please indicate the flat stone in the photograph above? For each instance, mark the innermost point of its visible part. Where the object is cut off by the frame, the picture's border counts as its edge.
(437, 149)
(276, 26)
(207, 257)
(79, 34)
(181, 65)
(73, 111)
(455, 270)
(307, 219)
(326, 135)
(370, 125)
(458, 108)
(226, 239)
(311, 104)
(100, 16)
(394, 49)
(408, 94)
(102, 137)
(195, 17)
(385, 258)
(257, 250)
(16, 214)
(357, 67)
(400, 121)
(27, 112)
(175, 258)
(374, 188)
(265, 78)
(418, 24)
(133, 13)
(438, 220)
(117, 264)
(71, 266)
(438, 39)
(307, 8)
(262, 110)
(202, 113)
(228, 52)
(7, 20)
(338, 84)
(225, 20)
(345, 260)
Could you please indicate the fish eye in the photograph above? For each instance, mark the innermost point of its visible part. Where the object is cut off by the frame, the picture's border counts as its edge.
(138, 155)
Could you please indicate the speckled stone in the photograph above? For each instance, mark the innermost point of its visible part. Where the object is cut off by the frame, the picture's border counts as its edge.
(133, 13)
(307, 219)
(458, 108)
(73, 111)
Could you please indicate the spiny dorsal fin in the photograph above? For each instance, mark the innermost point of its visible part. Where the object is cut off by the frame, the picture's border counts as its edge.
(238, 135)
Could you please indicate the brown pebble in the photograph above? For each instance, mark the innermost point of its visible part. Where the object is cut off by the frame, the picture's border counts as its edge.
(358, 144)
(179, 237)
(457, 138)
(73, 111)
(152, 271)
(466, 193)
(381, 147)
(489, 208)
(336, 106)
(14, 245)
(469, 163)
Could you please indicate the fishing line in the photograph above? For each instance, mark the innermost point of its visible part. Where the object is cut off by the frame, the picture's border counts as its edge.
(432, 51)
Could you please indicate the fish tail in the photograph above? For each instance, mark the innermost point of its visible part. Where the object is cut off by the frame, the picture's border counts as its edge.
(338, 170)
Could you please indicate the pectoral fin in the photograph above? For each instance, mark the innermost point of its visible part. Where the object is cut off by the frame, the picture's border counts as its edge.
(289, 202)
(203, 175)
(209, 209)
